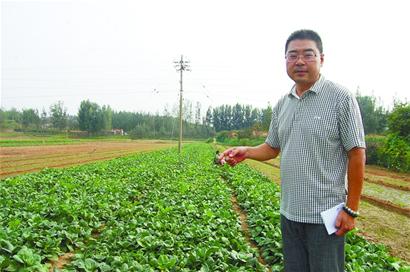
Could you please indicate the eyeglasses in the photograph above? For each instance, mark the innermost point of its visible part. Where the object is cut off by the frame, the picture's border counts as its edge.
(306, 56)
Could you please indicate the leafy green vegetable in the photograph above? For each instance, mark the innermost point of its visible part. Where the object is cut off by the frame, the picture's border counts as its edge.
(157, 211)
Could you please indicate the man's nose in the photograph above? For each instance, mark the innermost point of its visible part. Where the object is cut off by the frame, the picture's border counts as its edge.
(300, 60)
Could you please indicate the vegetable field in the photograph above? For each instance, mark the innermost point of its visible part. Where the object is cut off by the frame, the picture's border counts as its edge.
(24, 159)
(155, 211)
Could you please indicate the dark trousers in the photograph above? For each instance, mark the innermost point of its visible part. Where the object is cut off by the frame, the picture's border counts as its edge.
(308, 247)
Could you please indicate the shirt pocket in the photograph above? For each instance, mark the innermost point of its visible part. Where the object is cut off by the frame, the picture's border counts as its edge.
(320, 127)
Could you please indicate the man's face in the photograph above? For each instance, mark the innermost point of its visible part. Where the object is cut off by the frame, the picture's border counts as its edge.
(303, 62)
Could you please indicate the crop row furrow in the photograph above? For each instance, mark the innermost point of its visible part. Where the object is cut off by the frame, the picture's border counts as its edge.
(260, 198)
(157, 211)
(160, 211)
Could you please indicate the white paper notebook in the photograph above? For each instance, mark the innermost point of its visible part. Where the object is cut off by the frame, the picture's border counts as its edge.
(329, 218)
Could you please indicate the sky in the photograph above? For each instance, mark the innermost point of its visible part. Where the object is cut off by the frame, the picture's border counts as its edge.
(122, 53)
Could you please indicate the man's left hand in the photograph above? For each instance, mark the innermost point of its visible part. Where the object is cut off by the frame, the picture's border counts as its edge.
(344, 223)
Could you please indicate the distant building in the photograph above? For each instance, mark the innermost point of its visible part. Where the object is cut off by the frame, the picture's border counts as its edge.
(117, 131)
(258, 133)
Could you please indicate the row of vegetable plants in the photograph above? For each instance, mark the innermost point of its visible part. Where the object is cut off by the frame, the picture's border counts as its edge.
(151, 212)
(259, 198)
(156, 211)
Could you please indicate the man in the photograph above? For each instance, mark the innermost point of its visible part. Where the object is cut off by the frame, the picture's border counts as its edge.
(318, 131)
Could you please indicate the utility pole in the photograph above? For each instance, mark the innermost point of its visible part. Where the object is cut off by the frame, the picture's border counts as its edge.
(181, 66)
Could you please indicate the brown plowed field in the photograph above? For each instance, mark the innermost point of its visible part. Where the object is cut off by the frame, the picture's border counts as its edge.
(19, 160)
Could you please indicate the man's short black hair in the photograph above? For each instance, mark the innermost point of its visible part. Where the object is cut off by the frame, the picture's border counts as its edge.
(305, 34)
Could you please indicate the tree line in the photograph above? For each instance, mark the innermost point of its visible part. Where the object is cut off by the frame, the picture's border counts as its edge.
(95, 119)
(387, 132)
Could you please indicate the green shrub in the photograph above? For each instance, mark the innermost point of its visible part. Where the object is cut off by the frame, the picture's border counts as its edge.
(396, 153)
(222, 136)
(374, 149)
(209, 140)
(399, 120)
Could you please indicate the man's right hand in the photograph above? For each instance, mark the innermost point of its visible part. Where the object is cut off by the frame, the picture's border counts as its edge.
(233, 156)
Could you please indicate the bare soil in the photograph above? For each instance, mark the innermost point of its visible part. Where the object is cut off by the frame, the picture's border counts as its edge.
(387, 228)
(375, 175)
(245, 228)
(61, 261)
(379, 171)
(25, 159)
(386, 184)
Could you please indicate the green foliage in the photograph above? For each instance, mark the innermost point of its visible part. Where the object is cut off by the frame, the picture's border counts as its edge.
(45, 138)
(396, 153)
(90, 117)
(141, 131)
(244, 141)
(58, 115)
(10, 119)
(399, 120)
(259, 197)
(30, 119)
(153, 212)
(159, 127)
(363, 256)
(391, 151)
(374, 149)
(266, 117)
(156, 211)
(374, 118)
(226, 117)
(106, 117)
(238, 138)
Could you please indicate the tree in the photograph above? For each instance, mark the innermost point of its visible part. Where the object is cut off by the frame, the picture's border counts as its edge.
(72, 122)
(255, 117)
(374, 118)
(43, 119)
(197, 113)
(208, 117)
(266, 117)
(14, 115)
(90, 117)
(58, 115)
(30, 119)
(107, 117)
(187, 112)
(248, 117)
(10, 119)
(217, 119)
(238, 117)
(399, 120)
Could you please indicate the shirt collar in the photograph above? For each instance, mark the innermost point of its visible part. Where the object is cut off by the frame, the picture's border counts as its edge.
(316, 87)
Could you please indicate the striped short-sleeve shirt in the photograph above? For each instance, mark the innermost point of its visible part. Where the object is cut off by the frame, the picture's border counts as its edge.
(314, 134)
